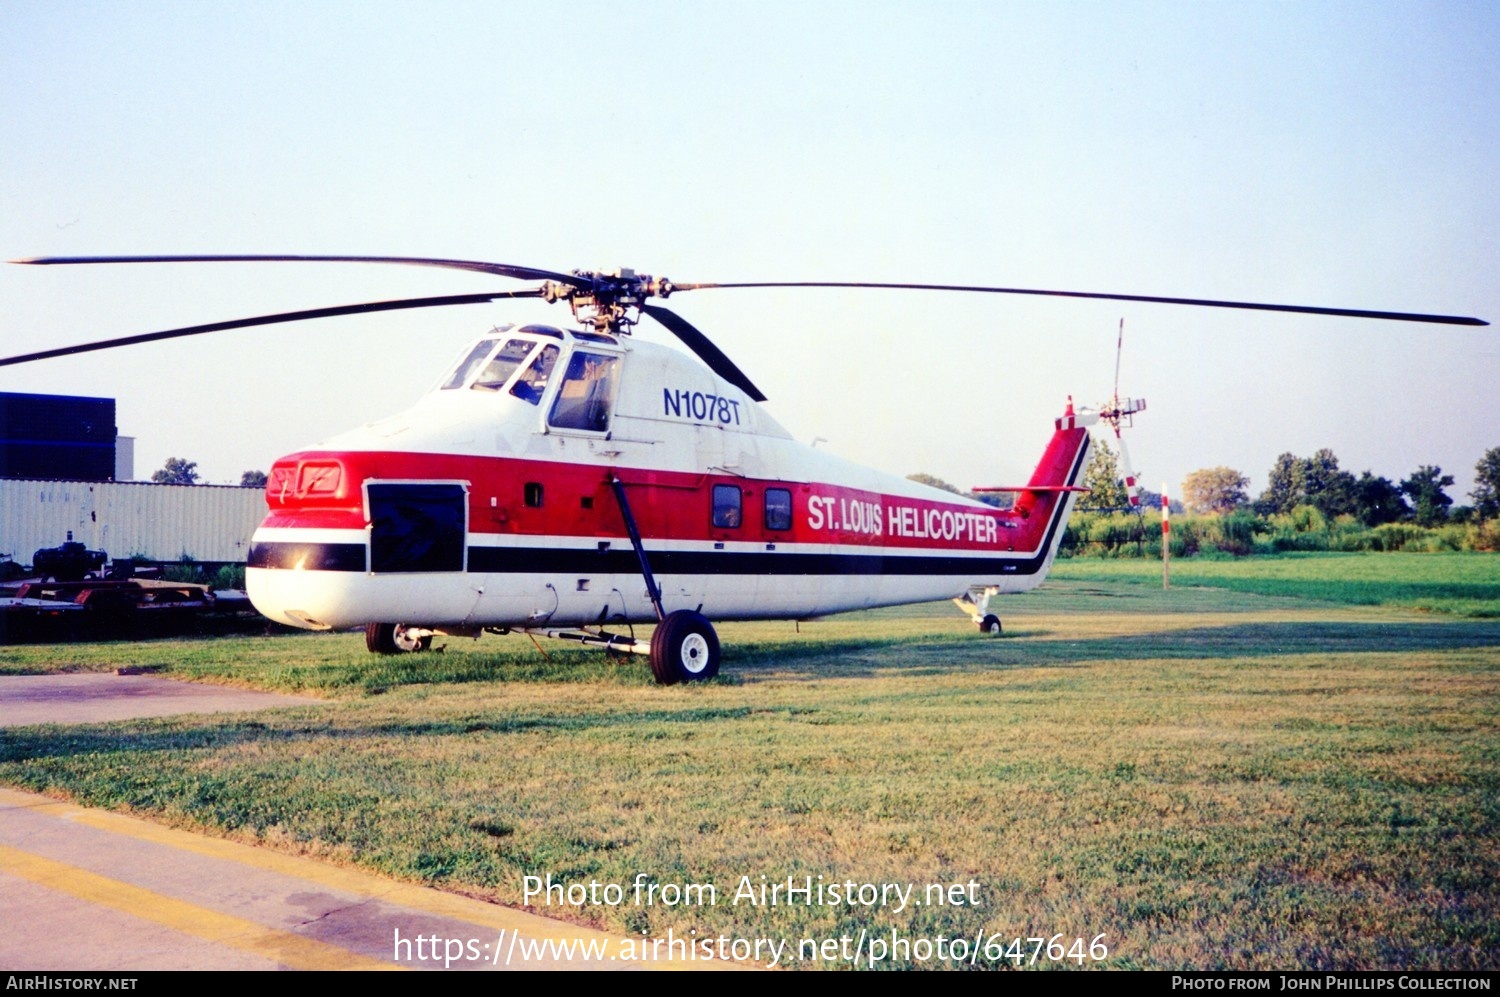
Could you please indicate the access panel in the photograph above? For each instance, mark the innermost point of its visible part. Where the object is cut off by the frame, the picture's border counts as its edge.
(417, 527)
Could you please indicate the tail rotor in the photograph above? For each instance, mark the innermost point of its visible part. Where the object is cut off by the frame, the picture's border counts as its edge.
(1121, 411)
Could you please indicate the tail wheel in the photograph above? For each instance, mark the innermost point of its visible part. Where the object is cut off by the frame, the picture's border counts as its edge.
(684, 649)
(990, 626)
(394, 638)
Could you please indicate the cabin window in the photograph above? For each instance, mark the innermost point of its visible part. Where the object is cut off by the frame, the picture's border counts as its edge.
(778, 509)
(498, 371)
(469, 364)
(727, 511)
(587, 393)
(533, 381)
(533, 494)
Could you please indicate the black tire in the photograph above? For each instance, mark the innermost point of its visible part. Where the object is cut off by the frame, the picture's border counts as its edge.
(684, 649)
(391, 638)
(990, 626)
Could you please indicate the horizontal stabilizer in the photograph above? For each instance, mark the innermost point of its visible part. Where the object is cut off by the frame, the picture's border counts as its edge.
(1029, 488)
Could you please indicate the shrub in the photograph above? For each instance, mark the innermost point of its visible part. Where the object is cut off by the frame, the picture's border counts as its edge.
(230, 576)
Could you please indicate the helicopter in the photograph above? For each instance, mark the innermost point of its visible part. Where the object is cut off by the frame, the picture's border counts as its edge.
(567, 482)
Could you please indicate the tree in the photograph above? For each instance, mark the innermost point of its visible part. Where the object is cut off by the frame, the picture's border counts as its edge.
(1215, 490)
(177, 472)
(932, 481)
(253, 479)
(1425, 489)
(1152, 500)
(1486, 493)
(1325, 486)
(1315, 481)
(1102, 478)
(1286, 488)
(1378, 500)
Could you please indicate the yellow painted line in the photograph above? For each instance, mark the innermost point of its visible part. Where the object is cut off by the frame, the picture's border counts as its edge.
(419, 898)
(281, 947)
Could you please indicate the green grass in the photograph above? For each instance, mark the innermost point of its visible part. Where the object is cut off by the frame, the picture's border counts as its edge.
(1463, 584)
(1208, 778)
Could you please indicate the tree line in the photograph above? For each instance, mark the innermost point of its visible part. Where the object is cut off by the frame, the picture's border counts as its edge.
(1309, 503)
(1373, 500)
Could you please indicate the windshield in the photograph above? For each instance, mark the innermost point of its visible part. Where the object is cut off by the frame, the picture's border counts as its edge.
(530, 385)
(469, 363)
(499, 370)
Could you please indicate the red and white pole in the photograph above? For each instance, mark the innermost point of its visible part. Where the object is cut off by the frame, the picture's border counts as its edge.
(1166, 539)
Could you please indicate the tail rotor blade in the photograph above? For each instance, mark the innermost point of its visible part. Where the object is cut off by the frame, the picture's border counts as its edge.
(1132, 484)
(1119, 350)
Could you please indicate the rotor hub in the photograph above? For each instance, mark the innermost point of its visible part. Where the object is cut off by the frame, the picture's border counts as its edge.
(610, 302)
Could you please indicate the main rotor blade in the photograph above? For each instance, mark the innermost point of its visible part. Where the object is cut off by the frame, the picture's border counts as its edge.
(311, 313)
(706, 350)
(477, 266)
(1100, 296)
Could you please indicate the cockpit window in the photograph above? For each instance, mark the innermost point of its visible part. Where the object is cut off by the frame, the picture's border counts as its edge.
(587, 393)
(469, 364)
(499, 370)
(533, 381)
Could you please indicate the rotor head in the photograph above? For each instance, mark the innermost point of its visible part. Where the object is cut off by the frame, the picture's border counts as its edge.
(607, 301)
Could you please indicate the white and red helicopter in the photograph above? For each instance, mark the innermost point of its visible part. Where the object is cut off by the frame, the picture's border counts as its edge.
(560, 482)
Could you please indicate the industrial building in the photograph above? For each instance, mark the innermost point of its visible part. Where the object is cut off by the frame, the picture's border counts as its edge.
(63, 468)
(57, 436)
(130, 519)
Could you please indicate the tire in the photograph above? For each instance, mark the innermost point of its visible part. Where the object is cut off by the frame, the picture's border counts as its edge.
(684, 649)
(990, 626)
(391, 638)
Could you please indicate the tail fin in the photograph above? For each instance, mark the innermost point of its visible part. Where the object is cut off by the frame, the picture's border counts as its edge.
(1042, 505)
(1056, 483)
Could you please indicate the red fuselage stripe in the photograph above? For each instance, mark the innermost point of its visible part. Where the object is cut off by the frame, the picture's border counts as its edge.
(513, 497)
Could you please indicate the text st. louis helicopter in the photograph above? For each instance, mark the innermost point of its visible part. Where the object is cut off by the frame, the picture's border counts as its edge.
(559, 481)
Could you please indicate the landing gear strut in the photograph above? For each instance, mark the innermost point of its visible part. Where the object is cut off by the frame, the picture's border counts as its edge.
(684, 649)
(396, 638)
(976, 606)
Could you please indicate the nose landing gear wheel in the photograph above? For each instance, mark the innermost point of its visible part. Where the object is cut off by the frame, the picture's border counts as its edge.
(393, 638)
(684, 649)
(990, 626)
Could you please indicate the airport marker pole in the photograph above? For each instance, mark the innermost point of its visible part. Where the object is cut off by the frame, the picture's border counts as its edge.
(1166, 536)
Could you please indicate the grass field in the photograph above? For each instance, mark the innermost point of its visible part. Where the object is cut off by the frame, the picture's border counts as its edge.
(1460, 584)
(1206, 778)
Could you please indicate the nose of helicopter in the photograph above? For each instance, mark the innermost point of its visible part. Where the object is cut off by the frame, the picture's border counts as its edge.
(291, 597)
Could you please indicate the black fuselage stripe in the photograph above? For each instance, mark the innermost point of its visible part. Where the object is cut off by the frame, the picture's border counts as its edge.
(563, 560)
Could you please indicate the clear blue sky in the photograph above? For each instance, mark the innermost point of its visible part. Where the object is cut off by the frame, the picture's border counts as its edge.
(1320, 153)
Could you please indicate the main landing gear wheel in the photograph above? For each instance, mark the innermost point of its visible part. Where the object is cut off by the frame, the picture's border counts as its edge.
(990, 626)
(393, 638)
(684, 649)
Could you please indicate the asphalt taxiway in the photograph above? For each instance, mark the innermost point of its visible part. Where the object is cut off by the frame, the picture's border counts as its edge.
(88, 889)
